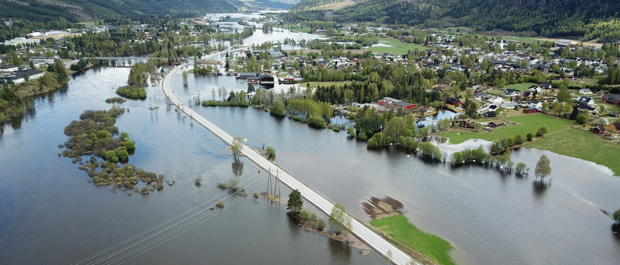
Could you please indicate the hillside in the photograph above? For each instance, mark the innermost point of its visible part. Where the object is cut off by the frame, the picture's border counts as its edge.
(82, 10)
(586, 19)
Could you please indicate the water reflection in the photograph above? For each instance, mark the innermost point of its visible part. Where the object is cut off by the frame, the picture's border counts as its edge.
(540, 188)
(237, 167)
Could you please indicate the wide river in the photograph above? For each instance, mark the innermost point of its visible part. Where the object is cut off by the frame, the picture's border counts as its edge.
(49, 213)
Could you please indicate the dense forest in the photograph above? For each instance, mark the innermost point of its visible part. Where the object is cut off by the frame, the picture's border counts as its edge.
(85, 10)
(554, 18)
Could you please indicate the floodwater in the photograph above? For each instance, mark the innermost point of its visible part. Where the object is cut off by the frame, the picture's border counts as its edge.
(50, 214)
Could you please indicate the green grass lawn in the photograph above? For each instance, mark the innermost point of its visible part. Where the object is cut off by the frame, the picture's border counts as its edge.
(296, 28)
(315, 84)
(431, 246)
(397, 47)
(527, 124)
(521, 87)
(608, 107)
(581, 144)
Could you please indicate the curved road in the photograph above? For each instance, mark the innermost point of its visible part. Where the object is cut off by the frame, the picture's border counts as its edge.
(373, 240)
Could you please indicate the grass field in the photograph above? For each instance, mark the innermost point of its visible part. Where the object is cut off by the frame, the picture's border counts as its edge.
(397, 47)
(608, 107)
(296, 28)
(581, 144)
(521, 87)
(315, 84)
(431, 246)
(527, 124)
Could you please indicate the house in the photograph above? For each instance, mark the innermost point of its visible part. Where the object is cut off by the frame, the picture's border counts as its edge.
(530, 110)
(583, 100)
(43, 60)
(489, 114)
(387, 101)
(266, 80)
(613, 127)
(533, 89)
(527, 95)
(612, 114)
(246, 75)
(612, 99)
(511, 92)
(604, 92)
(598, 130)
(453, 101)
(496, 100)
(492, 125)
(466, 124)
(481, 95)
(546, 86)
(585, 91)
(404, 105)
(9, 68)
(535, 104)
(582, 106)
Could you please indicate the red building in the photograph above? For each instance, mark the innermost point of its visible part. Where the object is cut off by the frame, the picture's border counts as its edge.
(530, 110)
(598, 130)
(453, 101)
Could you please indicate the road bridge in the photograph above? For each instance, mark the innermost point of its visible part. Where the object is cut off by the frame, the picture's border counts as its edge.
(362, 232)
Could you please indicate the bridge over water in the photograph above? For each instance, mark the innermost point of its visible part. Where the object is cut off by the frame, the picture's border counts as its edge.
(362, 232)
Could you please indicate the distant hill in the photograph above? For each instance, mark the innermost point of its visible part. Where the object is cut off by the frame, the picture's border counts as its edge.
(553, 18)
(81, 10)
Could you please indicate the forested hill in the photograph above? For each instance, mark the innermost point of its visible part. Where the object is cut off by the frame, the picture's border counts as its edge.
(81, 10)
(587, 19)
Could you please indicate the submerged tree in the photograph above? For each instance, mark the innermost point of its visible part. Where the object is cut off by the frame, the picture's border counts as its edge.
(542, 167)
(339, 220)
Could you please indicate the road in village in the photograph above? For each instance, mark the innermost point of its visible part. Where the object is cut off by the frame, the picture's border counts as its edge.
(373, 240)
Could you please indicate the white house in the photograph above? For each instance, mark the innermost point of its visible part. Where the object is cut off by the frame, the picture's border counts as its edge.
(511, 92)
(495, 100)
(43, 60)
(9, 68)
(583, 100)
(536, 104)
(533, 89)
(585, 91)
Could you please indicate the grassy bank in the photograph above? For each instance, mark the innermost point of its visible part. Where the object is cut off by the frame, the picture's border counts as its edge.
(527, 124)
(581, 144)
(431, 246)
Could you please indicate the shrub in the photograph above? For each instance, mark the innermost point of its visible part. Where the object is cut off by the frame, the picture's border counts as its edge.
(541, 131)
(145, 190)
(219, 205)
(271, 152)
(519, 139)
(255, 195)
(297, 118)
(123, 155)
(581, 119)
(197, 182)
(130, 145)
(351, 131)
(316, 121)
(530, 136)
(363, 137)
(335, 128)
(320, 225)
(222, 185)
(304, 216)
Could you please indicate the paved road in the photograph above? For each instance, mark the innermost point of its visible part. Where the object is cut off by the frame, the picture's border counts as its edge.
(359, 230)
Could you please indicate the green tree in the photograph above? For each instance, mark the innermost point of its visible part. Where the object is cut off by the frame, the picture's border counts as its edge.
(236, 146)
(543, 168)
(617, 216)
(521, 168)
(295, 202)
(581, 118)
(339, 220)
(271, 152)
